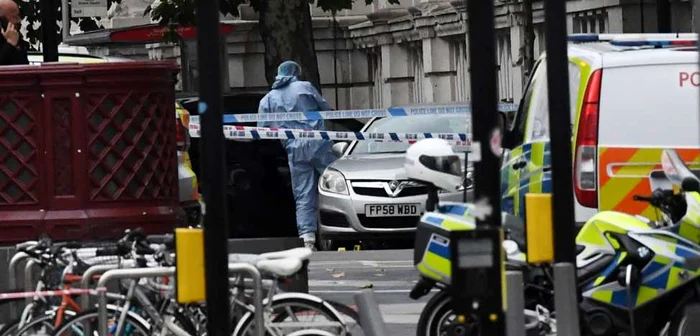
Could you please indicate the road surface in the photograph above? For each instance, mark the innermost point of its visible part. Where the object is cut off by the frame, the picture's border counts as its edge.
(390, 273)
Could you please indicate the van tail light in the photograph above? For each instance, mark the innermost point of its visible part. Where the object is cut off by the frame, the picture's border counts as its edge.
(182, 135)
(585, 161)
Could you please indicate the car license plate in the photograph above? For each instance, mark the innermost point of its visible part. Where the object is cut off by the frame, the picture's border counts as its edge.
(392, 210)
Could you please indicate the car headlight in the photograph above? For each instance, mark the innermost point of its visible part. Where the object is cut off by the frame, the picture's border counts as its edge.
(334, 182)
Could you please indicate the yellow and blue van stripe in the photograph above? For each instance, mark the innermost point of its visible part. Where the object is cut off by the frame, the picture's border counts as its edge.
(535, 179)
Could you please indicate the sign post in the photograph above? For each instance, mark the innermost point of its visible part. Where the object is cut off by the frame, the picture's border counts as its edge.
(213, 169)
(477, 256)
(565, 289)
(49, 46)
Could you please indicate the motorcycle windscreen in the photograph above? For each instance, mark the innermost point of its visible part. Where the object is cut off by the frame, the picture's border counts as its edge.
(675, 168)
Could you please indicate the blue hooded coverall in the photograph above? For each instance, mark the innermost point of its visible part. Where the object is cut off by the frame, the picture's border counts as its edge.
(307, 158)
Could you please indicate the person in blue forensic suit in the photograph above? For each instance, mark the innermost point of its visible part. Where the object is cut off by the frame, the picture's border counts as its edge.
(307, 158)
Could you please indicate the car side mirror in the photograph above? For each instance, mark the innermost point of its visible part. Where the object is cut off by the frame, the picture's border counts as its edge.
(691, 184)
(339, 148)
(502, 122)
(505, 156)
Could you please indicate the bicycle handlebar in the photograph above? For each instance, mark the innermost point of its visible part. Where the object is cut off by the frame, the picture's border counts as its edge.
(26, 245)
(165, 239)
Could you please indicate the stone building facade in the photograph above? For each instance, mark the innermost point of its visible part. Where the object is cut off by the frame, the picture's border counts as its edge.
(381, 55)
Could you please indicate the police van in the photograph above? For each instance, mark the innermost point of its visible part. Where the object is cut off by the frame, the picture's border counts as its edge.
(631, 96)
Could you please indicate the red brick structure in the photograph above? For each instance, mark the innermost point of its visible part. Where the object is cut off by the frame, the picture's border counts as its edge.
(87, 151)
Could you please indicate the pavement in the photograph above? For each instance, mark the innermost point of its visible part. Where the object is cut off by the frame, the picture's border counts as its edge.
(338, 276)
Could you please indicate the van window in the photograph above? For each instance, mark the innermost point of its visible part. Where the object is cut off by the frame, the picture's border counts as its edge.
(650, 106)
(521, 118)
(539, 108)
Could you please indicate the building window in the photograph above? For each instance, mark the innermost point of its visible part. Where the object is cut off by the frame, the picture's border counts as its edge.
(461, 65)
(591, 22)
(416, 56)
(540, 40)
(505, 65)
(374, 60)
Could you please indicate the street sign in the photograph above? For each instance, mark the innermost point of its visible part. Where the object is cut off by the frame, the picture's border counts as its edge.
(88, 8)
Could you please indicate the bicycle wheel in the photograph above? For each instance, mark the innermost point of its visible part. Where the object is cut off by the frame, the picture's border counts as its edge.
(134, 325)
(295, 313)
(39, 326)
(350, 317)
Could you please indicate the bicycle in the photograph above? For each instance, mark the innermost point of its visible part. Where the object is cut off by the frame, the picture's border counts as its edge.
(173, 318)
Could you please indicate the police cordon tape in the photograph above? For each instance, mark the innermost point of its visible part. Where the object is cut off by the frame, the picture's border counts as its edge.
(257, 133)
(353, 114)
(25, 295)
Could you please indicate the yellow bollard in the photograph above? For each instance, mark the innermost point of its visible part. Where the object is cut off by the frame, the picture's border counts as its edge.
(540, 240)
(341, 249)
(189, 275)
(357, 247)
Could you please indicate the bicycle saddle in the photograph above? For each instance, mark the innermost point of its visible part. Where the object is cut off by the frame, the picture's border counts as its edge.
(302, 253)
(280, 267)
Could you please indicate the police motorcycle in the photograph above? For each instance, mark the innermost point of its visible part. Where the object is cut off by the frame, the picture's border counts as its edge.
(636, 277)
(434, 163)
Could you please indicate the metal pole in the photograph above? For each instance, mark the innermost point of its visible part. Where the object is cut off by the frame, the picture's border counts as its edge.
(486, 133)
(258, 314)
(65, 20)
(12, 281)
(29, 277)
(102, 312)
(515, 315)
(49, 40)
(562, 183)
(482, 56)
(370, 316)
(213, 167)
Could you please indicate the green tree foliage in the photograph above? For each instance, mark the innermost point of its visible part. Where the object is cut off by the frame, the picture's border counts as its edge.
(175, 12)
(285, 27)
(31, 11)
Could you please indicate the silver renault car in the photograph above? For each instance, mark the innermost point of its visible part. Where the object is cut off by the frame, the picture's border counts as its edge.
(365, 194)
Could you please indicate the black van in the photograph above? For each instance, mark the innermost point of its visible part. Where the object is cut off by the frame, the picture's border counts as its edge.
(261, 203)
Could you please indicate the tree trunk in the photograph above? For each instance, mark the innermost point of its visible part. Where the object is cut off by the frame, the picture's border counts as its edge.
(286, 31)
(529, 45)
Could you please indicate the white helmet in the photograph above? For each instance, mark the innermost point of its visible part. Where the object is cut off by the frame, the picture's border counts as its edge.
(433, 161)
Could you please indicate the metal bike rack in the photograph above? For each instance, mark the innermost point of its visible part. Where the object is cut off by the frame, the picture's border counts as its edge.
(370, 316)
(87, 276)
(29, 278)
(135, 273)
(12, 281)
(118, 274)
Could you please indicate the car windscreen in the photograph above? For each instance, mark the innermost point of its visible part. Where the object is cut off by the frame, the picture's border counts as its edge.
(412, 124)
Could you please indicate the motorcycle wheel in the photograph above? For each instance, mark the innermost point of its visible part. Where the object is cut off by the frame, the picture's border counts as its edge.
(438, 318)
(687, 322)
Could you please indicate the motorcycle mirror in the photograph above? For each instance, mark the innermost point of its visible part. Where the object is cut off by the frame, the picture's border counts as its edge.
(691, 184)
(628, 277)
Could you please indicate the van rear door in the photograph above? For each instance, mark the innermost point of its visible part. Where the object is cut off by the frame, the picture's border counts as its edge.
(643, 110)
